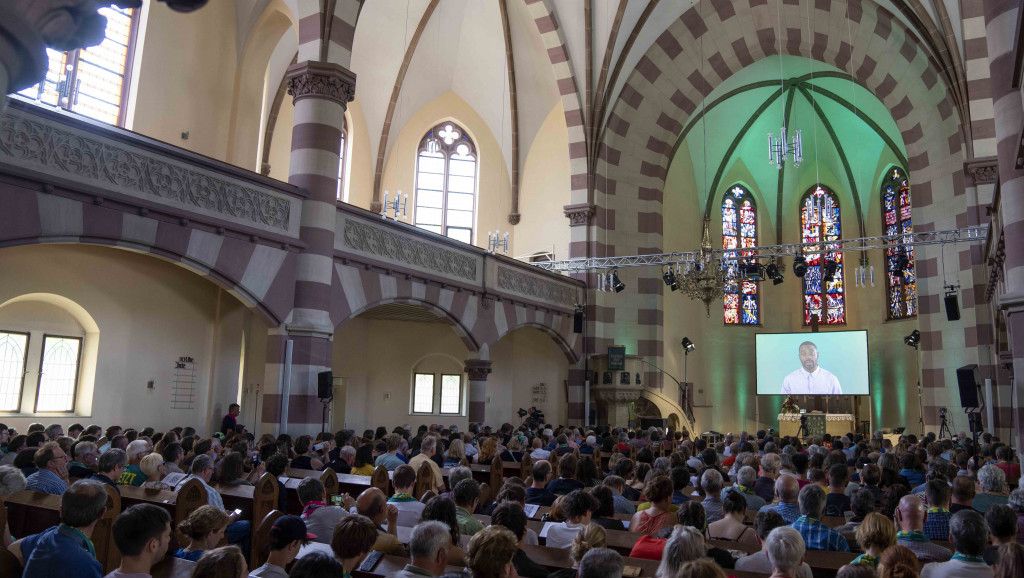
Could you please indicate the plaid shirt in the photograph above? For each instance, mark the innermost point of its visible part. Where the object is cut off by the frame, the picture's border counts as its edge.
(789, 512)
(818, 536)
(936, 526)
(47, 482)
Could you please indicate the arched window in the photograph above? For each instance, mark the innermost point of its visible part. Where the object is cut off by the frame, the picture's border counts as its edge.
(902, 288)
(343, 156)
(92, 81)
(446, 182)
(823, 283)
(739, 231)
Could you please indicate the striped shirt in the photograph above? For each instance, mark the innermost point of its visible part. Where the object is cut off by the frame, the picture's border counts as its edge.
(818, 536)
(47, 482)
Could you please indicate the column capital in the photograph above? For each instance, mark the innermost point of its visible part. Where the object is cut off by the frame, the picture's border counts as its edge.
(478, 369)
(580, 214)
(326, 80)
(982, 171)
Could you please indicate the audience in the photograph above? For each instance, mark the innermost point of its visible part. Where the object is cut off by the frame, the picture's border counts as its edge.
(142, 534)
(467, 497)
(354, 537)
(731, 528)
(409, 508)
(427, 450)
(685, 544)
(764, 523)
(874, 535)
(862, 503)
(374, 506)
(428, 550)
(66, 550)
(601, 563)
(992, 482)
(622, 504)
(538, 493)
(745, 479)
(910, 517)
(287, 536)
(785, 549)
(589, 537)
(490, 553)
(817, 536)
(204, 527)
(226, 562)
(1009, 561)
(837, 503)
(897, 562)
(659, 515)
(962, 494)
(51, 475)
(936, 525)
(202, 469)
(969, 534)
(604, 514)
(711, 483)
(1002, 529)
(319, 517)
(511, 516)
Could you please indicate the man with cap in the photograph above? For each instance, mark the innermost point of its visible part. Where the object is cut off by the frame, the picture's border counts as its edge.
(287, 535)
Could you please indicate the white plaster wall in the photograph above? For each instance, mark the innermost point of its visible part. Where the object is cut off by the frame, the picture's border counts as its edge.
(149, 313)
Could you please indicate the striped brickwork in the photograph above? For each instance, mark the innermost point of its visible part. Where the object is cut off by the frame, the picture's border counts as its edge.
(979, 83)
(667, 87)
(1001, 28)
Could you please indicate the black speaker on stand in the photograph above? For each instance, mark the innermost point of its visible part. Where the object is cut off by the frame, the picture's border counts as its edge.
(325, 391)
(968, 379)
(952, 307)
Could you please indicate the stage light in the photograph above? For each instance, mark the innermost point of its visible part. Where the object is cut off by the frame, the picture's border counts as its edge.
(800, 266)
(913, 339)
(617, 285)
(830, 271)
(688, 345)
(774, 273)
(670, 280)
(752, 271)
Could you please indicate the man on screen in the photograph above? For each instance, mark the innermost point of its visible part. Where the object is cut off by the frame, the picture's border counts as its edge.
(810, 379)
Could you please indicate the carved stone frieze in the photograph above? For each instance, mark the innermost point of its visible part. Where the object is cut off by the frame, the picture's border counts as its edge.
(408, 250)
(477, 369)
(321, 80)
(513, 218)
(45, 146)
(617, 394)
(535, 287)
(579, 215)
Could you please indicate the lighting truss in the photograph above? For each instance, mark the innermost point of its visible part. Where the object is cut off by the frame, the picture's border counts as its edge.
(974, 234)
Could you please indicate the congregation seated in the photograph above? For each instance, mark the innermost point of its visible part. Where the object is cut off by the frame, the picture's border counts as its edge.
(428, 551)
(490, 553)
(1002, 529)
(731, 528)
(604, 514)
(51, 476)
(817, 536)
(538, 493)
(589, 537)
(874, 535)
(132, 474)
(962, 494)
(227, 562)
(837, 503)
(428, 448)
(622, 504)
(455, 454)
(969, 534)
(319, 517)
(287, 536)
(659, 515)
(910, 517)
(511, 516)
(441, 509)
(373, 505)
(205, 527)
(579, 507)
(142, 534)
(466, 495)
(66, 550)
(711, 484)
(992, 482)
(936, 524)
(764, 523)
(409, 508)
(86, 456)
(238, 531)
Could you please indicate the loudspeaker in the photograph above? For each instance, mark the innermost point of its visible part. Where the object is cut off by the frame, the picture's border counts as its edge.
(952, 307)
(577, 322)
(968, 378)
(325, 385)
(649, 422)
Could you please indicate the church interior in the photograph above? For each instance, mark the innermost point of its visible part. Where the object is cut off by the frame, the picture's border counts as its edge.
(457, 207)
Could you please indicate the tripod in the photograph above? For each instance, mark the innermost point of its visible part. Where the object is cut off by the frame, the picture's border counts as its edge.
(803, 431)
(944, 426)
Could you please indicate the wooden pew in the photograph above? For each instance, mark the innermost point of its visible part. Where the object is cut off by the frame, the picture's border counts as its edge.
(328, 478)
(171, 567)
(261, 538)
(103, 534)
(179, 504)
(254, 501)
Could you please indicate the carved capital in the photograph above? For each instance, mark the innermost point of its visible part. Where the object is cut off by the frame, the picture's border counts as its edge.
(477, 369)
(376, 207)
(982, 171)
(513, 218)
(324, 80)
(265, 169)
(579, 215)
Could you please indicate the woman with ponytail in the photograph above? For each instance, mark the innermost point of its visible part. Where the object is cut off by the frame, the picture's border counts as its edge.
(205, 529)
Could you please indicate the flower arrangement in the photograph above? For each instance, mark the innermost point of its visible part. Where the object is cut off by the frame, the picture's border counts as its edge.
(789, 406)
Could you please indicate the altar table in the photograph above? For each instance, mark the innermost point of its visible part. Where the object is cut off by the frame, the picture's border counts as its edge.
(818, 424)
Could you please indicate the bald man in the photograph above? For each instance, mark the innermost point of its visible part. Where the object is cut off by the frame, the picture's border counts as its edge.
(787, 490)
(373, 504)
(910, 517)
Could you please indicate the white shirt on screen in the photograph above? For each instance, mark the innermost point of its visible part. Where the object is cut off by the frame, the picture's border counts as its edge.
(819, 382)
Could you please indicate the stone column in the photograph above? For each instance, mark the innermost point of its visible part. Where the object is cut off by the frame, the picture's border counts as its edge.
(321, 92)
(1001, 19)
(477, 370)
(616, 400)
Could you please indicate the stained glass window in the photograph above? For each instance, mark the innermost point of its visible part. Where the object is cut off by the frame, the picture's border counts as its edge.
(901, 285)
(91, 81)
(739, 231)
(819, 221)
(446, 183)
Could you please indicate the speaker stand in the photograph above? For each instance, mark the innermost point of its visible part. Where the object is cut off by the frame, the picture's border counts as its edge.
(326, 403)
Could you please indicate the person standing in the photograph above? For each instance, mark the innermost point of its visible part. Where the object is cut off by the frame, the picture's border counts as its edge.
(228, 424)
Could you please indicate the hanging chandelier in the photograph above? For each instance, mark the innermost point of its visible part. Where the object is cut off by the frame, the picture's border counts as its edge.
(704, 279)
(778, 148)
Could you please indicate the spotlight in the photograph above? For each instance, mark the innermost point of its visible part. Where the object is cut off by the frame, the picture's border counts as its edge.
(913, 339)
(688, 345)
(830, 271)
(774, 273)
(617, 285)
(670, 280)
(752, 271)
(800, 266)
